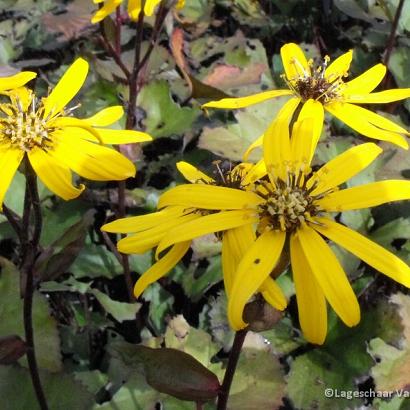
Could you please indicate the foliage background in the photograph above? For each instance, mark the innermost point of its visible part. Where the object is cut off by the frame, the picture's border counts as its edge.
(84, 324)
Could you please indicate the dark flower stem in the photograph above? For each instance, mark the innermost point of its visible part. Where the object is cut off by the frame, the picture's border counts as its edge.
(132, 78)
(392, 37)
(29, 253)
(230, 369)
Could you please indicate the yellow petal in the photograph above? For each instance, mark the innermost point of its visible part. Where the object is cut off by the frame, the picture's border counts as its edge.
(294, 61)
(68, 86)
(241, 102)
(106, 10)
(365, 249)
(366, 82)
(76, 126)
(252, 271)
(106, 117)
(180, 4)
(366, 196)
(309, 296)
(273, 294)
(301, 144)
(285, 113)
(339, 67)
(276, 149)
(150, 6)
(16, 81)
(134, 9)
(235, 243)
(162, 267)
(361, 121)
(148, 239)
(381, 97)
(54, 175)
(330, 276)
(92, 161)
(116, 137)
(143, 222)
(10, 159)
(191, 173)
(343, 167)
(209, 197)
(204, 225)
(314, 110)
(256, 172)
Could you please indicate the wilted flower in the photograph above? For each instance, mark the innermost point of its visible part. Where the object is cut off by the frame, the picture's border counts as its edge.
(55, 142)
(324, 89)
(134, 8)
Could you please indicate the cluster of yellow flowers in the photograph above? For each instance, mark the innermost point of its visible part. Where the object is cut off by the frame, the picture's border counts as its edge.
(277, 209)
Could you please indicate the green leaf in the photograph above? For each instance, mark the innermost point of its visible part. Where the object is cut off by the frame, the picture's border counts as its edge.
(164, 117)
(46, 338)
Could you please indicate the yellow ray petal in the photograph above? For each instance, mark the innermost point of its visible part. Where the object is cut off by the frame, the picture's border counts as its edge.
(254, 268)
(161, 268)
(343, 167)
(273, 294)
(359, 119)
(339, 67)
(366, 196)
(365, 249)
(256, 172)
(106, 117)
(312, 109)
(9, 162)
(235, 243)
(148, 239)
(366, 82)
(330, 276)
(143, 222)
(209, 197)
(191, 173)
(116, 137)
(301, 144)
(309, 296)
(54, 175)
(276, 149)
(68, 86)
(294, 61)
(92, 161)
(16, 80)
(241, 102)
(204, 225)
(285, 113)
(106, 10)
(382, 97)
(150, 6)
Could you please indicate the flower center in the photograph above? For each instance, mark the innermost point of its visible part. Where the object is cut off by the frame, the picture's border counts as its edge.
(316, 85)
(287, 206)
(25, 128)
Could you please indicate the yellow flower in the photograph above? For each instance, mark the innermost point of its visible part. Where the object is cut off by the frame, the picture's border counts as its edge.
(324, 89)
(56, 142)
(294, 212)
(134, 8)
(16, 81)
(223, 207)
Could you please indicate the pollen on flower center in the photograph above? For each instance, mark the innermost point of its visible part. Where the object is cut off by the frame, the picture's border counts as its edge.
(316, 85)
(25, 128)
(286, 206)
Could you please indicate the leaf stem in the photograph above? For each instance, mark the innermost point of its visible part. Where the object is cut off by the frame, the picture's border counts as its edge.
(230, 369)
(32, 200)
(392, 37)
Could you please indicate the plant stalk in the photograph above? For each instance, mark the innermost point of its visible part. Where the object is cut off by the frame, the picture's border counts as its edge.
(32, 201)
(230, 369)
